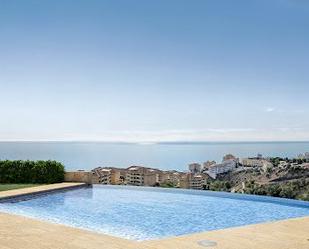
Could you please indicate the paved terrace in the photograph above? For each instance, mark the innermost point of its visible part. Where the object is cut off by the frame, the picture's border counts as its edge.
(286, 234)
(17, 232)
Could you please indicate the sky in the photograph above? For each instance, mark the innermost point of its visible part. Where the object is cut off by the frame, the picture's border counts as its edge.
(150, 71)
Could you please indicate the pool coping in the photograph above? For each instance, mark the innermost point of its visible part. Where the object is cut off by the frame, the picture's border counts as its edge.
(275, 233)
(38, 190)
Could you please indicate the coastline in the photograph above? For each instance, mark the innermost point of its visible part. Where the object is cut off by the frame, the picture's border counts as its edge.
(167, 156)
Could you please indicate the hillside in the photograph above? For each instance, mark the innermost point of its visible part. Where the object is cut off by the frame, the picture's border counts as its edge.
(289, 181)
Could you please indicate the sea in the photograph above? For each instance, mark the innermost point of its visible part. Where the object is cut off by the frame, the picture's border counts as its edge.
(166, 156)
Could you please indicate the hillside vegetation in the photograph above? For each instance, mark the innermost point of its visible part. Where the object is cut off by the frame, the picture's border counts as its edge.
(290, 181)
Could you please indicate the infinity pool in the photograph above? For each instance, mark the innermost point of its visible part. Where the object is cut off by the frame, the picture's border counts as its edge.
(141, 213)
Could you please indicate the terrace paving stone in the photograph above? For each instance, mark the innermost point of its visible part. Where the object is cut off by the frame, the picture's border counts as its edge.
(285, 234)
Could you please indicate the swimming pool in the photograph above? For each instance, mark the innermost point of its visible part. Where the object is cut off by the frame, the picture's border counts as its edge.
(142, 213)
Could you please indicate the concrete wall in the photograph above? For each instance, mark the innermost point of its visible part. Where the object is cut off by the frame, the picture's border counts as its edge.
(79, 176)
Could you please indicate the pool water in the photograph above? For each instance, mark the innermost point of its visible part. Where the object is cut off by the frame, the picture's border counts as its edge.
(141, 213)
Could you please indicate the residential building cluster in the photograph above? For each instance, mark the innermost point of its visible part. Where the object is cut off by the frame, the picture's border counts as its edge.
(136, 176)
(195, 178)
(145, 176)
(199, 173)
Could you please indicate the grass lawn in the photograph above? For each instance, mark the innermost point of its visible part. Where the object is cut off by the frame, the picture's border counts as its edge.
(4, 187)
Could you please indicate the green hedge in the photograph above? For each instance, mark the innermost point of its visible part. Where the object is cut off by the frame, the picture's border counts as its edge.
(31, 171)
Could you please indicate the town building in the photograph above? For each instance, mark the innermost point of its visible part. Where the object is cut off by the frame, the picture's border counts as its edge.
(256, 162)
(142, 176)
(252, 162)
(197, 181)
(172, 177)
(229, 157)
(207, 164)
(107, 175)
(225, 166)
(192, 181)
(185, 180)
(195, 168)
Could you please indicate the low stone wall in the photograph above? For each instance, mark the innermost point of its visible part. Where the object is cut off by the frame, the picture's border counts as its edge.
(79, 176)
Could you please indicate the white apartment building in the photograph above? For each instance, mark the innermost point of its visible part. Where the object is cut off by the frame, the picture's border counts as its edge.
(221, 168)
(208, 164)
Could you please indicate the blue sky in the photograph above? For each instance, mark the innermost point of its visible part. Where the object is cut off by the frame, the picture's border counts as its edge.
(167, 70)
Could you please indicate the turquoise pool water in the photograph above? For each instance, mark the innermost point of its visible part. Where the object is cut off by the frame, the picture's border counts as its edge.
(141, 213)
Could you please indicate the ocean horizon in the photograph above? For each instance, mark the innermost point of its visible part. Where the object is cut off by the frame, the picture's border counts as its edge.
(86, 155)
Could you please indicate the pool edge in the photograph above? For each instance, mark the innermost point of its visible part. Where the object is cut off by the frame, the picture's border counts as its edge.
(39, 190)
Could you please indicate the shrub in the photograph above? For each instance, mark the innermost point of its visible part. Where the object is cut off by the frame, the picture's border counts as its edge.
(167, 185)
(219, 186)
(31, 171)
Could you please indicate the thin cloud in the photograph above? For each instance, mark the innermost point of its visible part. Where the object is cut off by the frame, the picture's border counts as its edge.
(291, 111)
(270, 109)
(229, 130)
